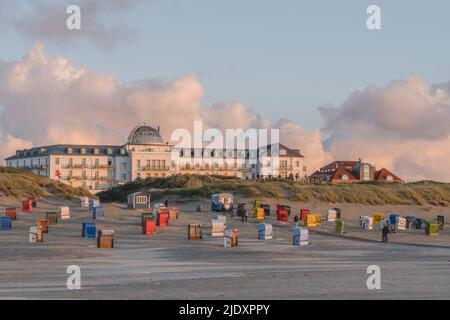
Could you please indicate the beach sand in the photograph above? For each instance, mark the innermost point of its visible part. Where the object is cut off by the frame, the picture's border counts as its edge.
(168, 266)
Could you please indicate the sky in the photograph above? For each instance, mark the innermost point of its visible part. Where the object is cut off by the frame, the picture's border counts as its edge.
(294, 64)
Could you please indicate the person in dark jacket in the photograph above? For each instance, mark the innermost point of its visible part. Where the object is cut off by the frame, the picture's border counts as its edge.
(296, 220)
(385, 233)
(166, 203)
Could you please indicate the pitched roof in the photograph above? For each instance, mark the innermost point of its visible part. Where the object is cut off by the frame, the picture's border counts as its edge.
(340, 163)
(61, 149)
(381, 175)
(289, 152)
(341, 171)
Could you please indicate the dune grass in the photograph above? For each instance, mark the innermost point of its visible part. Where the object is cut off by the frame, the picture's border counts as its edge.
(192, 186)
(23, 183)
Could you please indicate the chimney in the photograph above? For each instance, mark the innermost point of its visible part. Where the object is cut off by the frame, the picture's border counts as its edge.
(158, 128)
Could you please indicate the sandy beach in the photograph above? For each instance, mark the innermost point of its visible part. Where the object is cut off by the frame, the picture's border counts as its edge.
(168, 266)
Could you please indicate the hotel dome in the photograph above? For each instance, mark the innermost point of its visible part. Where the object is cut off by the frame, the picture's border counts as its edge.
(144, 134)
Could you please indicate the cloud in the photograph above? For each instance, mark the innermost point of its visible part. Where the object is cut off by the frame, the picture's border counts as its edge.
(46, 21)
(48, 100)
(403, 126)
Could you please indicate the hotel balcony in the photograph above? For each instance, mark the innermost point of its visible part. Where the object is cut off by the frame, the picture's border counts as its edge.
(101, 178)
(214, 169)
(155, 168)
(39, 167)
(76, 178)
(77, 166)
(86, 178)
(286, 168)
(101, 166)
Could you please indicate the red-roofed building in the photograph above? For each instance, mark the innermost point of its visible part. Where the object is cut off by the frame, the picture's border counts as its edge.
(352, 171)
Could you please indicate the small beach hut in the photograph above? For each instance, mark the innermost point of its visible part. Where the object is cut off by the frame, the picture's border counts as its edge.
(265, 231)
(301, 236)
(139, 200)
(222, 202)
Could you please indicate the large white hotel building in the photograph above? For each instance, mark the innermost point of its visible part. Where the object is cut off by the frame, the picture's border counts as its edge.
(99, 167)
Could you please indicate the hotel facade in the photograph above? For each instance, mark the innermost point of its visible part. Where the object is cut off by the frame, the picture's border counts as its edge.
(145, 155)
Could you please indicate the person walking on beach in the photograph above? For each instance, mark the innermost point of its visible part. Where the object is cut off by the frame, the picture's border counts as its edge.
(296, 220)
(385, 233)
(245, 216)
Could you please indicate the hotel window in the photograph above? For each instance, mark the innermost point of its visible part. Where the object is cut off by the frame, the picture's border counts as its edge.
(83, 184)
(159, 164)
(389, 178)
(97, 174)
(153, 164)
(70, 162)
(366, 172)
(97, 186)
(83, 151)
(297, 164)
(83, 162)
(97, 162)
(69, 150)
(83, 174)
(164, 164)
(148, 165)
(109, 151)
(138, 164)
(124, 176)
(344, 177)
(70, 174)
(31, 162)
(124, 166)
(163, 175)
(188, 166)
(96, 151)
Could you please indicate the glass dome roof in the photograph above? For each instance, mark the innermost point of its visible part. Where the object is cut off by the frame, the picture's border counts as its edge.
(144, 134)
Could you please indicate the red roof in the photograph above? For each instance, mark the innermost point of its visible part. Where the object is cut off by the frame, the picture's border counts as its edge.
(381, 175)
(340, 163)
(341, 171)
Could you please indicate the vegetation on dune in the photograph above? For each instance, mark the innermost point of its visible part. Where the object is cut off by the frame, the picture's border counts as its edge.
(23, 183)
(192, 186)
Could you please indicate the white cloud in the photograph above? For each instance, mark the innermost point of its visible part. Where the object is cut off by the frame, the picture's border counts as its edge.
(46, 21)
(48, 100)
(403, 126)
